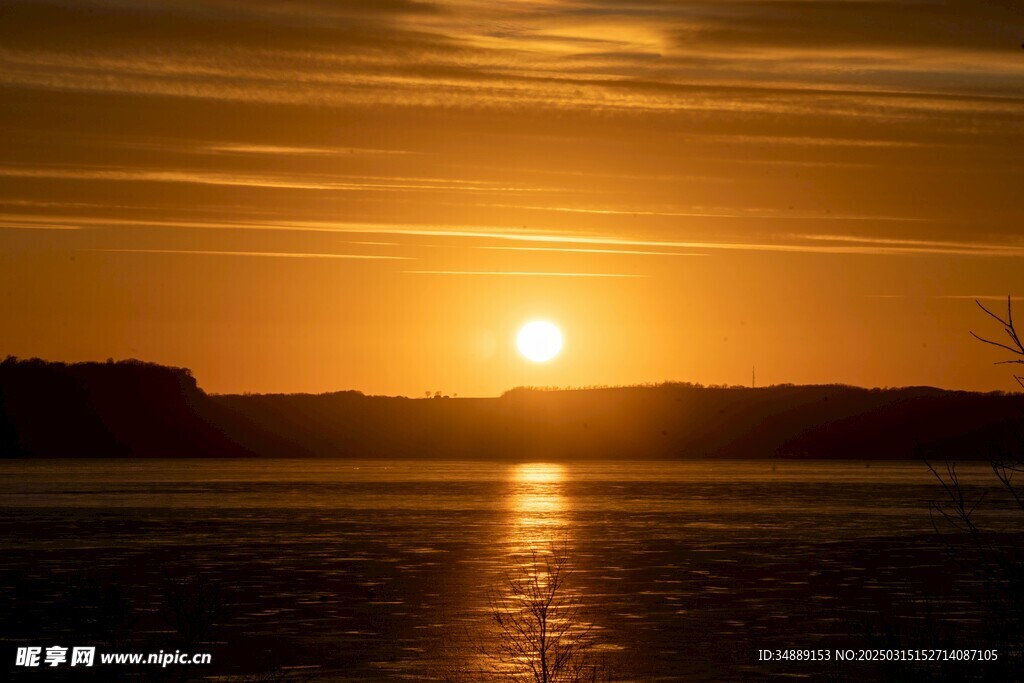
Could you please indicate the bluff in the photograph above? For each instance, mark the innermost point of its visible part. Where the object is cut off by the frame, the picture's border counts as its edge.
(143, 410)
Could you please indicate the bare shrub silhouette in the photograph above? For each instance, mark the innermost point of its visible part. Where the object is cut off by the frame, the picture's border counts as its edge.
(540, 631)
(985, 546)
(544, 636)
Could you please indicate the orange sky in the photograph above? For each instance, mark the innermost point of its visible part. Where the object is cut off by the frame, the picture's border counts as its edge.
(315, 195)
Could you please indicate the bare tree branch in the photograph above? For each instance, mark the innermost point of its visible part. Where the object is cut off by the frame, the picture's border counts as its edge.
(1008, 327)
(542, 633)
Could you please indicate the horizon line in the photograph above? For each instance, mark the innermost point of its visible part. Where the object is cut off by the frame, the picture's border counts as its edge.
(11, 358)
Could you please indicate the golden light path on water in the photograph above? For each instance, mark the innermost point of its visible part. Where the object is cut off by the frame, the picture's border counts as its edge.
(542, 553)
(537, 525)
(539, 507)
(536, 573)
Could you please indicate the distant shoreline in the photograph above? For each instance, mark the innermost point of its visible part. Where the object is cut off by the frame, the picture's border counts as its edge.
(142, 410)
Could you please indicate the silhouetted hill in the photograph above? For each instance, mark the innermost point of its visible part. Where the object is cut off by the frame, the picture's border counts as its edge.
(144, 410)
(128, 408)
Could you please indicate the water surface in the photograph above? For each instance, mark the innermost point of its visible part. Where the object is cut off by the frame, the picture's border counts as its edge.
(348, 570)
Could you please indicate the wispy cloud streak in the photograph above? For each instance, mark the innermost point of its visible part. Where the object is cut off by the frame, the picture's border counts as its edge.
(292, 181)
(259, 254)
(577, 250)
(519, 273)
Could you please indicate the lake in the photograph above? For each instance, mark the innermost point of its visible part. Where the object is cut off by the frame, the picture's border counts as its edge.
(375, 571)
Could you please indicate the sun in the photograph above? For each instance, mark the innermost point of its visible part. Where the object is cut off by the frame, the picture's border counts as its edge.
(539, 341)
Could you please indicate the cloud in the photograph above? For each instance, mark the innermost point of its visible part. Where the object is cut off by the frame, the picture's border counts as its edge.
(642, 127)
(577, 250)
(752, 213)
(110, 25)
(286, 150)
(261, 254)
(966, 297)
(987, 25)
(518, 273)
(653, 56)
(293, 181)
(561, 240)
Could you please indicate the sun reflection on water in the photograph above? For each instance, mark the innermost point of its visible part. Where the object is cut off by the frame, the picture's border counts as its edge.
(539, 505)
